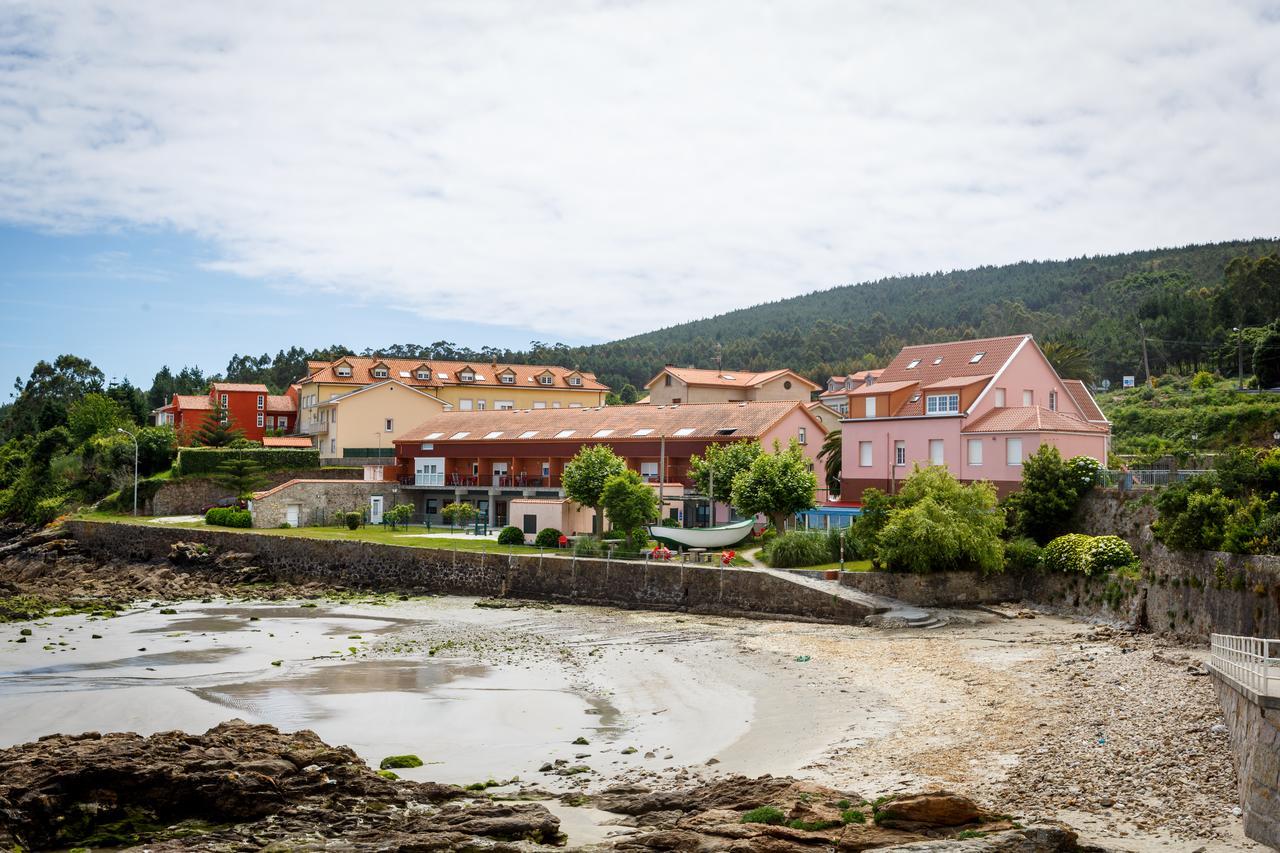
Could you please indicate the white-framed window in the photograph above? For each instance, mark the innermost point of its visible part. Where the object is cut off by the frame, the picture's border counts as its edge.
(282, 422)
(564, 433)
(507, 379)
(343, 371)
(271, 422)
(683, 431)
(899, 453)
(602, 433)
(1013, 451)
(975, 451)
(1028, 397)
(977, 357)
(649, 470)
(871, 407)
(333, 445)
(497, 433)
(643, 431)
(575, 405)
(424, 374)
(555, 405)
(466, 376)
(1053, 401)
(801, 436)
(546, 379)
(380, 373)
(529, 433)
(259, 420)
(575, 380)
(458, 436)
(937, 361)
(937, 454)
(262, 401)
(465, 405)
(224, 401)
(864, 454)
(915, 362)
(546, 469)
(389, 424)
(999, 398)
(480, 405)
(504, 405)
(942, 404)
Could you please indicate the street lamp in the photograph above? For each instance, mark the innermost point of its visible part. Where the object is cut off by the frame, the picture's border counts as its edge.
(135, 466)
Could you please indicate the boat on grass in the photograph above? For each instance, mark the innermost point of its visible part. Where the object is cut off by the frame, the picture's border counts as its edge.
(710, 538)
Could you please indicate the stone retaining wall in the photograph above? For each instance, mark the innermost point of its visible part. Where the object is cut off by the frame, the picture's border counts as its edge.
(364, 565)
(1255, 746)
(190, 495)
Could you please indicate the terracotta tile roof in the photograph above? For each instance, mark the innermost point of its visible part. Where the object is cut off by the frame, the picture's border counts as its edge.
(281, 403)
(1031, 419)
(956, 359)
(406, 371)
(954, 382)
(286, 441)
(703, 420)
(729, 378)
(193, 401)
(882, 388)
(251, 387)
(1080, 393)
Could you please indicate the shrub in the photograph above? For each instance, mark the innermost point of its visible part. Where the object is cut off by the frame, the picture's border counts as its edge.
(548, 537)
(1193, 516)
(48, 509)
(1022, 554)
(797, 549)
(1202, 381)
(511, 535)
(1066, 553)
(1051, 489)
(228, 516)
(587, 546)
(938, 524)
(765, 814)
(458, 513)
(1107, 554)
(207, 460)
(353, 520)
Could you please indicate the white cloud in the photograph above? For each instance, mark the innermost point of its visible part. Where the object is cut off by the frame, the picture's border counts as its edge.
(594, 169)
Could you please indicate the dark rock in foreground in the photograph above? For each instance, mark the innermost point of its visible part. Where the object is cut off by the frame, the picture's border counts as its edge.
(242, 787)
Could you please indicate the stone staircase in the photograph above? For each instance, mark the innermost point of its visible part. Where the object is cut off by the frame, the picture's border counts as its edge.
(885, 612)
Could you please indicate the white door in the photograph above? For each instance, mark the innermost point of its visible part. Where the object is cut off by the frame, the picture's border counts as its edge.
(499, 471)
(375, 509)
(291, 513)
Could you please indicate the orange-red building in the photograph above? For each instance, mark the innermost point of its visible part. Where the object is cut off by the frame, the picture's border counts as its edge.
(249, 407)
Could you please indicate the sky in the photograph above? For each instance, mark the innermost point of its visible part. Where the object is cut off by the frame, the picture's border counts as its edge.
(184, 181)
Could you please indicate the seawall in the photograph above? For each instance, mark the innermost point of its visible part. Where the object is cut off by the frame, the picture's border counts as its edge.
(1253, 725)
(552, 578)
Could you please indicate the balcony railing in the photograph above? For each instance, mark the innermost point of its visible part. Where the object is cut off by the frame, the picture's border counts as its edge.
(428, 479)
(1253, 663)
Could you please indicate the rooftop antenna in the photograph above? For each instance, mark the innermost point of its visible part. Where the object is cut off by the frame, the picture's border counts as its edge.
(719, 359)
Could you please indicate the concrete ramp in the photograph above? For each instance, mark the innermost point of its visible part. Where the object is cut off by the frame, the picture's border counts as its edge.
(880, 610)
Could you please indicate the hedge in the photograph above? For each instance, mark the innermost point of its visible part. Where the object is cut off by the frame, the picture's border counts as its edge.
(1090, 555)
(205, 460)
(228, 516)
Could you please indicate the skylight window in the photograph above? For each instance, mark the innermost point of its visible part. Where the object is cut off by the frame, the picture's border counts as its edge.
(977, 357)
(915, 398)
(459, 435)
(564, 433)
(643, 431)
(442, 375)
(683, 431)
(729, 376)
(914, 363)
(601, 433)
(529, 433)
(726, 431)
(937, 361)
(433, 436)
(497, 433)
(404, 374)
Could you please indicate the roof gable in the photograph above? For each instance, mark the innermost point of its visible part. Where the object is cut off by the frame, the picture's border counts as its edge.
(929, 363)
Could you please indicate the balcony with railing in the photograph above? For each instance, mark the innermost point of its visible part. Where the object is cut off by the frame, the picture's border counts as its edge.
(1251, 663)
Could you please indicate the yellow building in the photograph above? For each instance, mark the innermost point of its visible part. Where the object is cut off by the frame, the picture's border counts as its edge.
(425, 388)
(693, 385)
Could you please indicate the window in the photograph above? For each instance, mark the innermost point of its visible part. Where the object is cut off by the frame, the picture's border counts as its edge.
(555, 405)
(259, 419)
(1013, 451)
(504, 405)
(433, 436)
(871, 407)
(726, 431)
(464, 405)
(497, 433)
(666, 380)
(602, 433)
(333, 445)
(787, 384)
(999, 398)
(480, 405)
(546, 379)
(899, 453)
(942, 404)
(1028, 397)
(643, 431)
(564, 433)
(466, 376)
(915, 362)
(529, 433)
(864, 454)
(575, 380)
(975, 451)
(459, 435)
(683, 431)
(224, 401)
(649, 470)
(937, 361)
(546, 469)
(282, 422)
(508, 378)
(343, 371)
(430, 507)
(977, 357)
(675, 401)
(801, 436)
(1053, 401)
(539, 405)
(389, 424)
(575, 405)
(424, 374)
(530, 524)
(262, 401)
(379, 373)
(936, 452)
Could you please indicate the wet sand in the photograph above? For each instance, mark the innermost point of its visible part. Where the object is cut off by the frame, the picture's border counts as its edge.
(482, 693)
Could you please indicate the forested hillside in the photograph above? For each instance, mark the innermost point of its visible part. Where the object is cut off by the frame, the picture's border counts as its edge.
(1184, 298)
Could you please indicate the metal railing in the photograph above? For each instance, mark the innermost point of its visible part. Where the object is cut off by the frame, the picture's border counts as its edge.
(421, 479)
(1253, 663)
(1147, 478)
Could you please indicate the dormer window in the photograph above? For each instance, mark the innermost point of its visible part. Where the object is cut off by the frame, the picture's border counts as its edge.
(977, 357)
(915, 362)
(380, 373)
(546, 379)
(467, 376)
(342, 371)
(575, 380)
(942, 404)
(507, 378)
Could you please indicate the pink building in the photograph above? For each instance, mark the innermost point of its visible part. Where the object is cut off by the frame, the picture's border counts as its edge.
(979, 407)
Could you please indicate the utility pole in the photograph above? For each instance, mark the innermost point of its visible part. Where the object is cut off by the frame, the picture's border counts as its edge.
(719, 359)
(711, 494)
(662, 470)
(1146, 364)
(1239, 356)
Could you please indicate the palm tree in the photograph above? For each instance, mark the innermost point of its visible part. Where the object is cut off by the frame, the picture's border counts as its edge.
(1071, 360)
(830, 454)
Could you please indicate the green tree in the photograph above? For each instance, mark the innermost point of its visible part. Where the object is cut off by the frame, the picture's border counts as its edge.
(240, 475)
(629, 502)
(1071, 360)
(458, 513)
(35, 482)
(1266, 357)
(725, 461)
(95, 414)
(218, 429)
(1051, 490)
(586, 473)
(399, 515)
(939, 524)
(831, 457)
(777, 484)
(42, 402)
(628, 394)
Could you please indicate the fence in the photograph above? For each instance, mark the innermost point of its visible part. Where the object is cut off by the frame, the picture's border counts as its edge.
(1148, 478)
(1251, 662)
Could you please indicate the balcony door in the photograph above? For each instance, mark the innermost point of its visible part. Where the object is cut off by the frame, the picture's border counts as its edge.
(428, 471)
(499, 473)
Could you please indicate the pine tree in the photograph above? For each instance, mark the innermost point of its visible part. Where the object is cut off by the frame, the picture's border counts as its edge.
(218, 430)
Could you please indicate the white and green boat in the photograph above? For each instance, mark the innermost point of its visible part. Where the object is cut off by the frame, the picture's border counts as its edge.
(711, 538)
